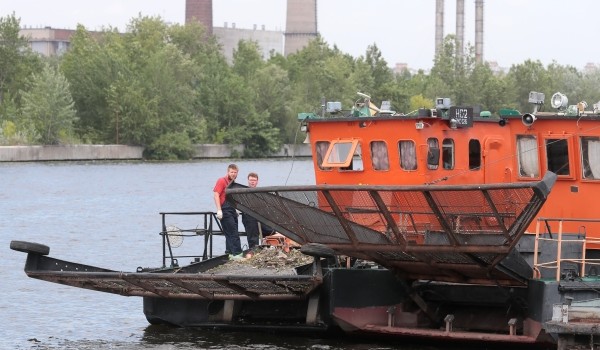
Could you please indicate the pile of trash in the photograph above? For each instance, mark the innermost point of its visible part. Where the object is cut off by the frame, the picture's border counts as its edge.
(264, 261)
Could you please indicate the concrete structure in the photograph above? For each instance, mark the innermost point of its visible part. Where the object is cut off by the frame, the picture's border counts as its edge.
(269, 41)
(48, 41)
(439, 26)
(301, 24)
(460, 28)
(479, 31)
(69, 152)
(201, 11)
(301, 27)
(122, 152)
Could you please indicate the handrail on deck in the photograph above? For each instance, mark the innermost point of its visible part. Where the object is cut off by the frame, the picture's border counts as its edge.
(556, 264)
(206, 228)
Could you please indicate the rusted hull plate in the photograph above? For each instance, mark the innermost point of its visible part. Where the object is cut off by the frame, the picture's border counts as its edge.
(376, 320)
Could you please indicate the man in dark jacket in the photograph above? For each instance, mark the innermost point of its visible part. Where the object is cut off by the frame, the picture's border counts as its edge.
(254, 228)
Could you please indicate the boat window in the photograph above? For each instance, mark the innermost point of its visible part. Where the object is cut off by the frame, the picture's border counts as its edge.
(448, 153)
(321, 149)
(557, 156)
(590, 157)
(344, 154)
(357, 162)
(474, 155)
(433, 153)
(527, 149)
(379, 155)
(408, 155)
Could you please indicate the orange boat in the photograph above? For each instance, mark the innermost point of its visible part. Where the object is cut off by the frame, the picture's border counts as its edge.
(454, 251)
(452, 145)
(444, 224)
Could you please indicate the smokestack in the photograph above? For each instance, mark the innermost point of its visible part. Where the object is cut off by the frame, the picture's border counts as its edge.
(439, 26)
(200, 11)
(300, 25)
(460, 27)
(479, 31)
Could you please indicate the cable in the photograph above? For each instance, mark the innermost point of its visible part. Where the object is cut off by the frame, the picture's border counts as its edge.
(293, 153)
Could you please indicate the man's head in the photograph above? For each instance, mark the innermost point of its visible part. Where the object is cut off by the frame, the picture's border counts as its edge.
(232, 171)
(252, 179)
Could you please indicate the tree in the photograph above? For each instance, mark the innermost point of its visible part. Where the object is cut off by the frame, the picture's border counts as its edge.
(48, 107)
(272, 90)
(379, 70)
(524, 78)
(247, 59)
(259, 137)
(488, 90)
(91, 65)
(17, 62)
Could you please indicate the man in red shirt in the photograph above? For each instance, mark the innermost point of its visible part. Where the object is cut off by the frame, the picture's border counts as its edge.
(227, 214)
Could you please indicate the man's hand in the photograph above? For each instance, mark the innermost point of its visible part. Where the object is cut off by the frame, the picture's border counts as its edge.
(219, 214)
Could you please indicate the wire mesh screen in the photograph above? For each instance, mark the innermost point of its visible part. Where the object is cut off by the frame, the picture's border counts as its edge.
(456, 233)
(391, 215)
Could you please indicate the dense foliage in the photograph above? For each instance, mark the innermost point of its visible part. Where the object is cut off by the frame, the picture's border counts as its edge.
(168, 87)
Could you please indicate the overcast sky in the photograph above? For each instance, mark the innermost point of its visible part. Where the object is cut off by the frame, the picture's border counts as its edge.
(404, 31)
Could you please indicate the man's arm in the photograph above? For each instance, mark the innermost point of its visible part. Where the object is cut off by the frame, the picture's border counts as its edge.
(218, 205)
(217, 199)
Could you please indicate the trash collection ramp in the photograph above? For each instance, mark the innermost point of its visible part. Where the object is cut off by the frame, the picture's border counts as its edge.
(174, 285)
(455, 233)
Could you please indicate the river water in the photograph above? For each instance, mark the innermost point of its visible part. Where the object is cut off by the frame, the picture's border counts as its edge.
(106, 214)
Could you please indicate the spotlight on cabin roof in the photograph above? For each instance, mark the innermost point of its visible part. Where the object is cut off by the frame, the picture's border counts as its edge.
(559, 101)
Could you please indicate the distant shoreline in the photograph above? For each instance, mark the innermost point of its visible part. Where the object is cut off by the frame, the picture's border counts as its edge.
(123, 152)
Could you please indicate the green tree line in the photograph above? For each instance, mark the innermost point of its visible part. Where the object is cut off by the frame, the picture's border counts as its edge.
(168, 87)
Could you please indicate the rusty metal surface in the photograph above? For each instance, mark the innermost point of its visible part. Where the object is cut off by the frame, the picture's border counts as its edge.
(377, 320)
(171, 284)
(447, 233)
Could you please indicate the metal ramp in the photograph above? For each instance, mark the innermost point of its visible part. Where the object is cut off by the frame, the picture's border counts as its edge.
(180, 283)
(463, 234)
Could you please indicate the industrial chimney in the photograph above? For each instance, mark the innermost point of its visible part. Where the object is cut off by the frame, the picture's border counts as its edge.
(439, 26)
(301, 24)
(460, 28)
(479, 31)
(200, 11)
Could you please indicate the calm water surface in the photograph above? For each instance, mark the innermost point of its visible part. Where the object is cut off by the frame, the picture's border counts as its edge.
(106, 215)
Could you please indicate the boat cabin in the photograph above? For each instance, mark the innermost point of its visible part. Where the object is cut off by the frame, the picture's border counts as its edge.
(450, 144)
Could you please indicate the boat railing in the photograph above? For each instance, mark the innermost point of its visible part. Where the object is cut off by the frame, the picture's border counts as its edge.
(172, 236)
(561, 239)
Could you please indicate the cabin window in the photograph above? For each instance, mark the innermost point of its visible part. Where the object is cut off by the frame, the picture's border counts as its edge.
(448, 154)
(527, 149)
(590, 157)
(379, 155)
(321, 149)
(408, 155)
(474, 155)
(433, 153)
(356, 162)
(557, 156)
(344, 154)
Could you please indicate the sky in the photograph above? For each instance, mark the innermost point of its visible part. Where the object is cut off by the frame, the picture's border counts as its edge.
(404, 31)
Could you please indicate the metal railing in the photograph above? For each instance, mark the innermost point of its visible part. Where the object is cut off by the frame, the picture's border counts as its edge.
(560, 241)
(208, 226)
